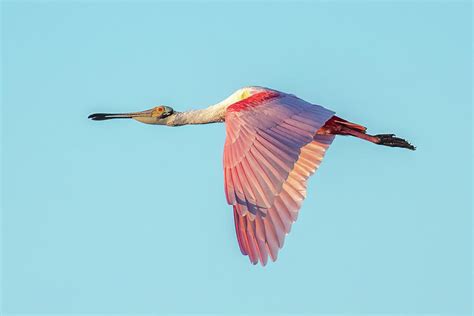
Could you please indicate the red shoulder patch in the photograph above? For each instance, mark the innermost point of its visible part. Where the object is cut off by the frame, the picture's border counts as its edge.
(252, 101)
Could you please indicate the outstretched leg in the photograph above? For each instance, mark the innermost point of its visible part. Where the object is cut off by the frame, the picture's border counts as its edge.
(338, 126)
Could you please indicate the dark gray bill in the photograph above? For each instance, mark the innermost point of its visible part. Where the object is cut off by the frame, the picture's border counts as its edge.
(108, 116)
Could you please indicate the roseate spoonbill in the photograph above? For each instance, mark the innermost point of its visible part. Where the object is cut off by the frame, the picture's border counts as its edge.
(274, 142)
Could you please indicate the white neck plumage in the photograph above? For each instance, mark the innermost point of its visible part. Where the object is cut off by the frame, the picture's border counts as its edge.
(212, 114)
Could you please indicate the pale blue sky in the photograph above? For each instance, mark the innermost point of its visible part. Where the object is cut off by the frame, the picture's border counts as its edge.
(127, 218)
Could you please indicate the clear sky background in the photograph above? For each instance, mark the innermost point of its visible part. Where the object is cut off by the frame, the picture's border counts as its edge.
(122, 217)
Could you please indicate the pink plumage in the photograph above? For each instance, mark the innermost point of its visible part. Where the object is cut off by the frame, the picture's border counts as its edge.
(271, 149)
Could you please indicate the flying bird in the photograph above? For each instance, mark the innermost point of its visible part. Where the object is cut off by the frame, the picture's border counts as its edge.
(274, 142)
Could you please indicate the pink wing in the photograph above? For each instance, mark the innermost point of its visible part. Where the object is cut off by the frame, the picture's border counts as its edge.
(271, 150)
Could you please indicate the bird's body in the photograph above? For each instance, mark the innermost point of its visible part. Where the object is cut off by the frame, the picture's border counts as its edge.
(274, 142)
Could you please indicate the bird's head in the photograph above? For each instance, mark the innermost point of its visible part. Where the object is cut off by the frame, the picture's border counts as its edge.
(158, 115)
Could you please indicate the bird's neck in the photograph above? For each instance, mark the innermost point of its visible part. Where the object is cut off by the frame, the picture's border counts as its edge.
(212, 114)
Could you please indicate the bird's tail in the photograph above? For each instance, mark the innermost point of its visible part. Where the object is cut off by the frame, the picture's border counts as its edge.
(338, 126)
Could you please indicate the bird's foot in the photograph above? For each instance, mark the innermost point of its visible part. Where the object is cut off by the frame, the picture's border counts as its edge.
(392, 141)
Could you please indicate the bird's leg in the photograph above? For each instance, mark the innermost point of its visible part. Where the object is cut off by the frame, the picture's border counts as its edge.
(380, 139)
(342, 127)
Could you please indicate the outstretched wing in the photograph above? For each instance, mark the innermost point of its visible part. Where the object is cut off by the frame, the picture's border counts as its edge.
(271, 149)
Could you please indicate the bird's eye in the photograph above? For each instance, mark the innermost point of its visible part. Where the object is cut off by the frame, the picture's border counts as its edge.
(158, 110)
